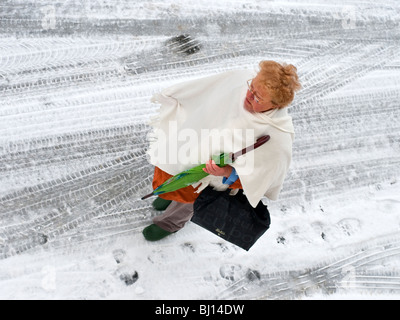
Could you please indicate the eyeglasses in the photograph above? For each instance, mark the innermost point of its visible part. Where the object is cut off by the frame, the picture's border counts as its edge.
(256, 99)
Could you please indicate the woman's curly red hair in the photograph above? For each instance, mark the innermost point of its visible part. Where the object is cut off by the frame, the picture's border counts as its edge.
(281, 80)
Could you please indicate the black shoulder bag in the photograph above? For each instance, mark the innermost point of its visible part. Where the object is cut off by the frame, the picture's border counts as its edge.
(231, 217)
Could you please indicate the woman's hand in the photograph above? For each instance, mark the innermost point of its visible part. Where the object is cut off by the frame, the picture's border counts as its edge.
(215, 170)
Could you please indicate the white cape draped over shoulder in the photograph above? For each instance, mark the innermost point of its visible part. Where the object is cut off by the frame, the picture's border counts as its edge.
(204, 117)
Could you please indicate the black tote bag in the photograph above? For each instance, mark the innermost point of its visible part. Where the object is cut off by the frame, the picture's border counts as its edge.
(231, 217)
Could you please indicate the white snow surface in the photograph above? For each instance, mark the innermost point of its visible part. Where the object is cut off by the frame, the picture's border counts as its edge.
(76, 81)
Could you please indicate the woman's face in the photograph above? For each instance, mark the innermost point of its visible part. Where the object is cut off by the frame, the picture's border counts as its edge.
(262, 95)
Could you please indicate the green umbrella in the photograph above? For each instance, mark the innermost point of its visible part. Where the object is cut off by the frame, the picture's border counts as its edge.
(190, 176)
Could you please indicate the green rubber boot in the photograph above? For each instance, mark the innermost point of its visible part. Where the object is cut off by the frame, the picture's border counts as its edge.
(161, 204)
(155, 233)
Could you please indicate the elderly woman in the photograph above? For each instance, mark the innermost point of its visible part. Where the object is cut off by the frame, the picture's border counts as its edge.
(235, 106)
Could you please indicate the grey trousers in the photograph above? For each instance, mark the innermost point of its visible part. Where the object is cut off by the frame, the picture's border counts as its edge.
(175, 216)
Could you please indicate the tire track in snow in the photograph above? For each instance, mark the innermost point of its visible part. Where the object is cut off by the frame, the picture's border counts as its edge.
(49, 71)
(346, 273)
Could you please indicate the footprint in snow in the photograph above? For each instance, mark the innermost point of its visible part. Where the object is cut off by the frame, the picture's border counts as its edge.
(232, 272)
(124, 272)
(129, 277)
(235, 272)
(187, 246)
(344, 228)
(119, 255)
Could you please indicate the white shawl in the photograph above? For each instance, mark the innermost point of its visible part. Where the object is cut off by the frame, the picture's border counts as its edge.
(196, 114)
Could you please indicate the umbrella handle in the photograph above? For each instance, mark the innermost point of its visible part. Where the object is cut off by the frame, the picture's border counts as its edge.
(259, 142)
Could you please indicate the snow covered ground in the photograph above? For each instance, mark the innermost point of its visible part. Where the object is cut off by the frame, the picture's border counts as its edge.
(75, 81)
